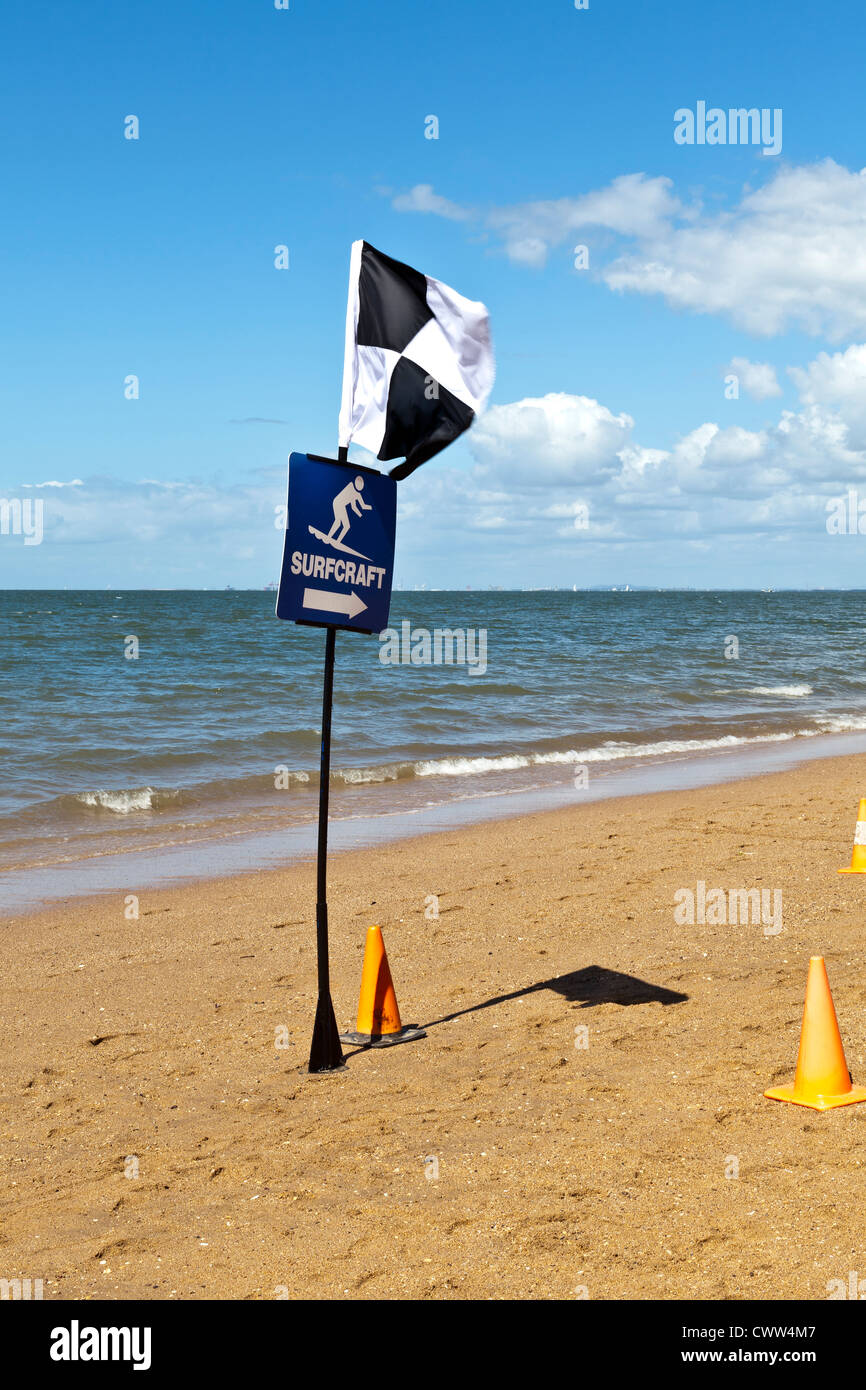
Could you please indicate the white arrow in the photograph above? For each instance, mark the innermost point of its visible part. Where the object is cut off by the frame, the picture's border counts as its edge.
(328, 602)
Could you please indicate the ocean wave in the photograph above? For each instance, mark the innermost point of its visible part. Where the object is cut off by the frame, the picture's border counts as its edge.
(786, 692)
(150, 800)
(360, 776)
(609, 751)
(463, 767)
(841, 723)
(605, 752)
(123, 803)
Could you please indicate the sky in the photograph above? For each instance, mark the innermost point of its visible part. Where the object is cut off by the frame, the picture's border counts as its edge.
(683, 403)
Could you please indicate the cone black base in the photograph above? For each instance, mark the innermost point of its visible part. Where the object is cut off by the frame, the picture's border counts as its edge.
(407, 1034)
(326, 1053)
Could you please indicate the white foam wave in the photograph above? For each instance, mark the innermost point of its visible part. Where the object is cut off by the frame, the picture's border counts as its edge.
(605, 752)
(358, 776)
(463, 767)
(609, 751)
(122, 803)
(788, 692)
(785, 692)
(842, 723)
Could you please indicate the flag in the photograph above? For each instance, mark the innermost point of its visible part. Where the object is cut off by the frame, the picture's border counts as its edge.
(418, 365)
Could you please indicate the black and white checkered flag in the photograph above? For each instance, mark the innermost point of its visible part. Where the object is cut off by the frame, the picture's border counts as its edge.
(419, 361)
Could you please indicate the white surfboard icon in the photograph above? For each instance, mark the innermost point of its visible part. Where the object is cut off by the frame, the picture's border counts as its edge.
(336, 545)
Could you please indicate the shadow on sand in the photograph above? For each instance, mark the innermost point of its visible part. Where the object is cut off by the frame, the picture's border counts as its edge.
(588, 987)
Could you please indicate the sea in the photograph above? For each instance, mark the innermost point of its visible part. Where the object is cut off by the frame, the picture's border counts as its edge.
(152, 737)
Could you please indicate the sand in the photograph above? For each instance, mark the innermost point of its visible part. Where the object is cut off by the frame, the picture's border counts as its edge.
(584, 1119)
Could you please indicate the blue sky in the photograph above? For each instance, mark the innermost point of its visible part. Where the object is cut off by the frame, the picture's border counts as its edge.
(306, 127)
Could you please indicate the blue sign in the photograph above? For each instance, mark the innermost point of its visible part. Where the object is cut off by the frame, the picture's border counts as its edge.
(338, 557)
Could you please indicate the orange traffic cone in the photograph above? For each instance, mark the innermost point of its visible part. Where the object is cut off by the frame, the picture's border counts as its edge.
(858, 854)
(822, 1080)
(378, 1015)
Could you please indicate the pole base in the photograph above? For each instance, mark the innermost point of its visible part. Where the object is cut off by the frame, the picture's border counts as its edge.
(407, 1034)
(326, 1053)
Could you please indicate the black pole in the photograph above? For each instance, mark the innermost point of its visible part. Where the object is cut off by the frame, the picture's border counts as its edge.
(326, 1053)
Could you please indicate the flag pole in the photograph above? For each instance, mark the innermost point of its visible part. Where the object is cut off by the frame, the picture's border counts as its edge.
(326, 1054)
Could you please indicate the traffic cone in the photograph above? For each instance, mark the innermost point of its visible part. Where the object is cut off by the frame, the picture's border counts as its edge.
(822, 1080)
(858, 854)
(378, 1015)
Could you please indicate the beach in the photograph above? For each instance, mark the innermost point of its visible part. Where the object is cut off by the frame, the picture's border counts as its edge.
(584, 1119)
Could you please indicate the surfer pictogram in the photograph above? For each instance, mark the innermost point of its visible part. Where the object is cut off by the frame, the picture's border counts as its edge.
(350, 497)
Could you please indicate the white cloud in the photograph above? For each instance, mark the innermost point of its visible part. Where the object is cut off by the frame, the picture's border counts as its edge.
(792, 254)
(75, 482)
(758, 379)
(715, 481)
(422, 198)
(837, 381)
(564, 509)
(632, 205)
(789, 255)
(178, 515)
(550, 440)
(539, 463)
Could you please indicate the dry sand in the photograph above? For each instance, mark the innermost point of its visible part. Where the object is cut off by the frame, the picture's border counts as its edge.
(149, 1046)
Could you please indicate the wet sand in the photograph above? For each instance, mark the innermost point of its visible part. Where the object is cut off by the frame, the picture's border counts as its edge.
(585, 1115)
